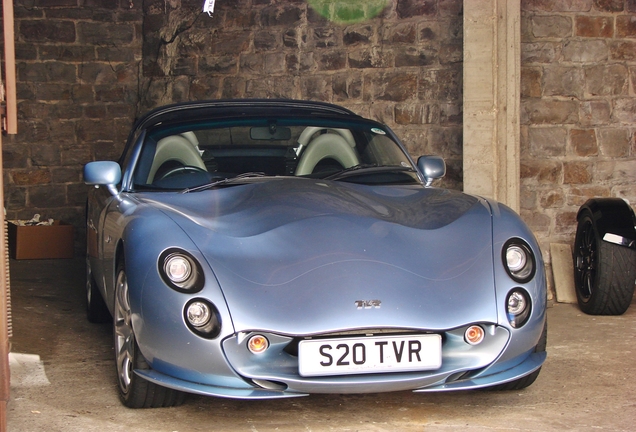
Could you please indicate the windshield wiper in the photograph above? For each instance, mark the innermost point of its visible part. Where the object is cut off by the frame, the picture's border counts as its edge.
(225, 181)
(366, 169)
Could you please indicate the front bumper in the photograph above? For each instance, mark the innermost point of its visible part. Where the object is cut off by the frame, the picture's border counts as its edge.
(274, 374)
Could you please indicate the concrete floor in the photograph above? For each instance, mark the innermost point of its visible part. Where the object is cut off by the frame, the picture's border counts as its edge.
(587, 383)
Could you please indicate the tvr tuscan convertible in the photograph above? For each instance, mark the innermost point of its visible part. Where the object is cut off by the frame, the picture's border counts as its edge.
(277, 248)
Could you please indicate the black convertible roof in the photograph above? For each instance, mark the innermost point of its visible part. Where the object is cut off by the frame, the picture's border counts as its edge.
(240, 107)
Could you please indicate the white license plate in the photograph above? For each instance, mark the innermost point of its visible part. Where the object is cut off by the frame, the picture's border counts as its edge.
(376, 354)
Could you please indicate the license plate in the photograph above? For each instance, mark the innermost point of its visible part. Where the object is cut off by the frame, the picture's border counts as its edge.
(375, 354)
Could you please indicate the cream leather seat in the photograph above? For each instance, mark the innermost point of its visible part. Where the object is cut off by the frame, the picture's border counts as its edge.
(326, 146)
(178, 149)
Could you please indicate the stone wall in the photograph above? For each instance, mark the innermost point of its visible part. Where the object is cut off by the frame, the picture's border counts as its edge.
(77, 80)
(578, 109)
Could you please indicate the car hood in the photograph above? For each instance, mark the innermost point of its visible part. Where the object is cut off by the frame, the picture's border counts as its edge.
(300, 256)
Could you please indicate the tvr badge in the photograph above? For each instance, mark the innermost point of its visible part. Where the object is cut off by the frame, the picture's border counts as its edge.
(368, 304)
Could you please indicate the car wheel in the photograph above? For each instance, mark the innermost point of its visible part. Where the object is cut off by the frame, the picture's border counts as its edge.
(527, 380)
(134, 391)
(96, 310)
(604, 273)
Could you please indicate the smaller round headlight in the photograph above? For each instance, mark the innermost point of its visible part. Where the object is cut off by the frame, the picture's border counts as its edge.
(178, 268)
(202, 318)
(198, 314)
(517, 307)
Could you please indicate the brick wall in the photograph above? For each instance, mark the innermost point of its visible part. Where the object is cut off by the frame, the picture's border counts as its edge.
(77, 72)
(578, 89)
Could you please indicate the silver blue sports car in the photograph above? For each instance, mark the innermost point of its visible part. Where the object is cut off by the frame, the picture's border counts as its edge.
(278, 248)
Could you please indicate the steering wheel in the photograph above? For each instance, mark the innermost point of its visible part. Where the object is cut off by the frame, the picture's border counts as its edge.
(182, 170)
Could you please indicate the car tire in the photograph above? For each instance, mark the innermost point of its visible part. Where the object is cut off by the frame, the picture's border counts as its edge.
(604, 273)
(134, 391)
(96, 310)
(526, 381)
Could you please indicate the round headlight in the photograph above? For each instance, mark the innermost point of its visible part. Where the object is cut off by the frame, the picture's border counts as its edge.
(518, 260)
(181, 271)
(198, 314)
(178, 268)
(202, 318)
(517, 307)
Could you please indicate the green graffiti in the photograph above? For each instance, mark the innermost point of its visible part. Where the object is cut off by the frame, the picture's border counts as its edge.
(348, 11)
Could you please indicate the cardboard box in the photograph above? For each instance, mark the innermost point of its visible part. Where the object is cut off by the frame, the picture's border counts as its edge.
(41, 241)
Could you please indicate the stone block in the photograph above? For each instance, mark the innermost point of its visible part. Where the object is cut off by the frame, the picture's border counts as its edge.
(47, 72)
(31, 177)
(233, 87)
(225, 64)
(557, 5)
(624, 110)
(614, 142)
(370, 58)
(97, 33)
(415, 8)
(541, 171)
(274, 87)
(585, 51)
(540, 52)
(346, 87)
(51, 31)
(531, 82)
(53, 92)
(606, 80)
(626, 26)
(565, 223)
(74, 156)
(283, 15)
(551, 199)
(326, 37)
(576, 173)
(594, 112)
(451, 54)
(549, 111)
(333, 60)
(316, 87)
(631, 6)
(68, 175)
(623, 50)
(563, 81)
(577, 196)
(205, 89)
(67, 53)
(46, 196)
(547, 141)
(358, 35)
(264, 41)
(583, 142)
(408, 114)
(274, 63)
(609, 5)
(594, 26)
(400, 33)
(420, 57)
(551, 26)
(440, 84)
(390, 86)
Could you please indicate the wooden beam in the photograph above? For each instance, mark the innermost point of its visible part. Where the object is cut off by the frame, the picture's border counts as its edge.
(9, 65)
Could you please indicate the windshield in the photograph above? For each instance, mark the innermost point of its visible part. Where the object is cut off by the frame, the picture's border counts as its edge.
(187, 156)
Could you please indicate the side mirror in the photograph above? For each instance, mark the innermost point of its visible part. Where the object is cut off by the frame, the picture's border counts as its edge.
(432, 168)
(103, 173)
